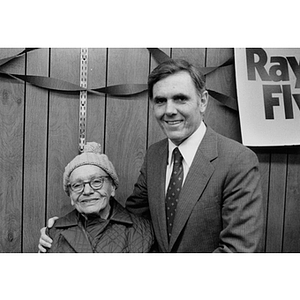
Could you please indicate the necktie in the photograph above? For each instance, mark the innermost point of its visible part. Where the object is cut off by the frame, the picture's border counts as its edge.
(174, 189)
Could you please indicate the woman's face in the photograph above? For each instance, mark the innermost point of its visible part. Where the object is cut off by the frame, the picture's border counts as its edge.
(91, 200)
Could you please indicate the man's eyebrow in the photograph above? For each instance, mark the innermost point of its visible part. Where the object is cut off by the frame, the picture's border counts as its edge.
(176, 96)
(159, 98)
(180, 96)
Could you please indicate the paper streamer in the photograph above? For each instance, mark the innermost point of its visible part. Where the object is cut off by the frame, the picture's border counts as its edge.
(159, 55)
(208, 70)
(3, 61)
(225, 100)
(121, 90)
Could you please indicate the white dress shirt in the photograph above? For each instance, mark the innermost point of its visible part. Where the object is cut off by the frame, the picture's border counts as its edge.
(188, 149)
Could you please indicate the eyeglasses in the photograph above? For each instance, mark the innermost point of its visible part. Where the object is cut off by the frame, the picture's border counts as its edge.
(95, 184)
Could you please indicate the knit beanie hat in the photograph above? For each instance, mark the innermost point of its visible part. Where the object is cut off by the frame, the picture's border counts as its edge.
(91, 155)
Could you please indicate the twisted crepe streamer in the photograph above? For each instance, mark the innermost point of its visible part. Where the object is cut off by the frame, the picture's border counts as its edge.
(120, 90)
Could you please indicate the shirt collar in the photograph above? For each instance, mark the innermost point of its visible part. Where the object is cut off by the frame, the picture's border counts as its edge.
(188, 148)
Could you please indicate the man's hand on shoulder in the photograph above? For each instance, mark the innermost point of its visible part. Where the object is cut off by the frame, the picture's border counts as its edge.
(45, 241)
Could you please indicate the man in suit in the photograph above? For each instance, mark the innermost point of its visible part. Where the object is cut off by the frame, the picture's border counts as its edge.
(211, 200)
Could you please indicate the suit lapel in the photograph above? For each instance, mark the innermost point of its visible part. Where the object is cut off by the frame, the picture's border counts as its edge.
(199, 174)
(158, 194)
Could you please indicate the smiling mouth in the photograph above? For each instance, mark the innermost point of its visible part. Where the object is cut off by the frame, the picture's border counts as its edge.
(88, 200)
(173, 122)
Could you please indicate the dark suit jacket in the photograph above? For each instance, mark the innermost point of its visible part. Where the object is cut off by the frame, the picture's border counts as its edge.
(220, 208)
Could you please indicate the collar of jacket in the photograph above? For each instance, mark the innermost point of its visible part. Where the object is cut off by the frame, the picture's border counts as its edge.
(118, 215)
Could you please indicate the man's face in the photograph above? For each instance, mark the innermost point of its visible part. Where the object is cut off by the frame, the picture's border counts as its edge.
(90, 200)
(177, 106)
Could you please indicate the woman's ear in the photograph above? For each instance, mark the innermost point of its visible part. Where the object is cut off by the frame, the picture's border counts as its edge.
(113, 190)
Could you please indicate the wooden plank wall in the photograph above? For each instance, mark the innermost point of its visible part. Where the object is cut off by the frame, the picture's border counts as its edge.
(39, 136)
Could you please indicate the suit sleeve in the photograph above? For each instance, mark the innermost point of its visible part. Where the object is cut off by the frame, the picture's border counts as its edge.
(138, 203)
(242, 206)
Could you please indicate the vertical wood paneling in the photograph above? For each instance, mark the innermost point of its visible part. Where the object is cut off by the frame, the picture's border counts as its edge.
(35, 152)
(221, 118)
(127, 117)
(124, 126)
(11, 155)
(63, 128)
(291, 241)
(95, 122)
(276, 203)
(264, 168)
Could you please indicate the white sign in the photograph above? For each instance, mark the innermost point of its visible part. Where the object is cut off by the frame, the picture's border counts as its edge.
(268, 90)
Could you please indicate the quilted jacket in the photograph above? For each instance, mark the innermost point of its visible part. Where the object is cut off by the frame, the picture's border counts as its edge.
(121, 232)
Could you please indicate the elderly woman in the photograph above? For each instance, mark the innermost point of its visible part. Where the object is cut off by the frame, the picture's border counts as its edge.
(98, 223)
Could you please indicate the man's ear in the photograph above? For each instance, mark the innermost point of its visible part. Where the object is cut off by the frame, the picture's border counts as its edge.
(203, 101)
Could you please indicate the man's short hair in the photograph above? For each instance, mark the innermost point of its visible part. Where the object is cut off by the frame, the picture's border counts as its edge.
(174, 66)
